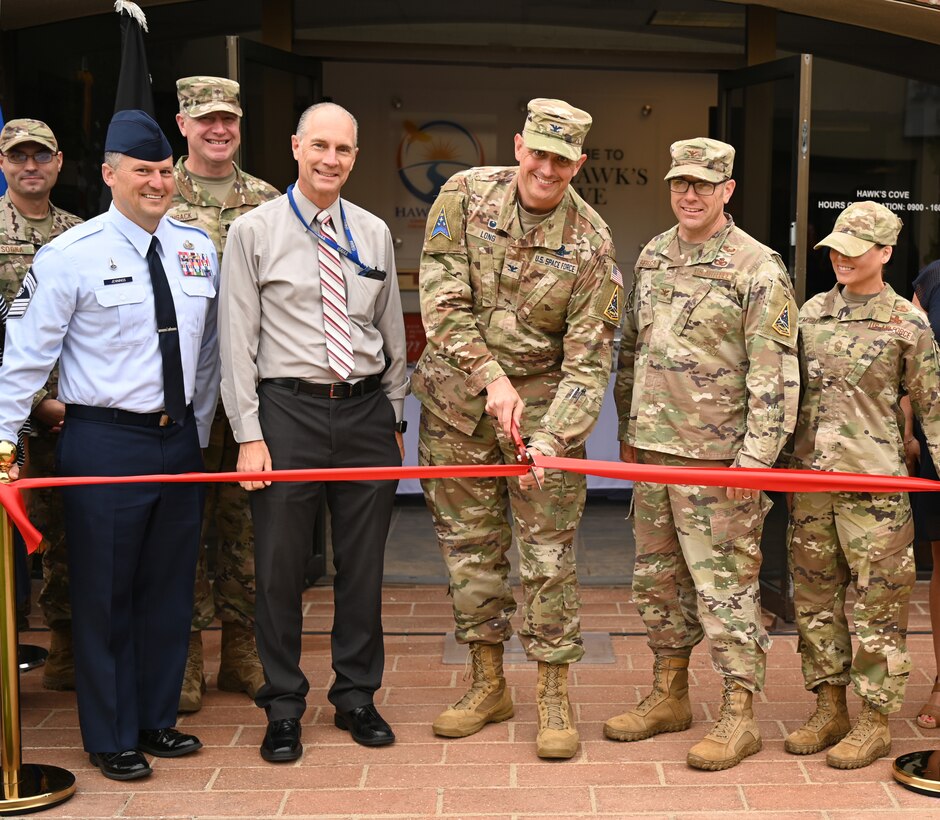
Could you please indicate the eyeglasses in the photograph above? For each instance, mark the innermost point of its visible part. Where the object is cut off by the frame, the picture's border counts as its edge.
(702, 188)
(40, 157)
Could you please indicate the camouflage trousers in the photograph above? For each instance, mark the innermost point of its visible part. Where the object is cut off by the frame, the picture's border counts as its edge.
(865, 539)
(474, 533)
(697, 560)
(232, 596)
(48, 514)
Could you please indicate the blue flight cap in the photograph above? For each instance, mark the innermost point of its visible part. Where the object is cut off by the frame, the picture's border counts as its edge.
(135, 134)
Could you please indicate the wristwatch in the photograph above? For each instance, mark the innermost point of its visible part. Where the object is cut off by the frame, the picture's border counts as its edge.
(401, 426)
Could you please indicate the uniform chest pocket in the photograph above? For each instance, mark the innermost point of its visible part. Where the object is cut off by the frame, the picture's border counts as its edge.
(706, 314)
(191, 313)
(361, 296)
(485, 270)
(872, 371)
(128, 316)
(545, 306)
(643, 299)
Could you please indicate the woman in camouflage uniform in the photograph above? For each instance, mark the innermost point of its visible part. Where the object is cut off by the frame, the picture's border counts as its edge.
(861, 347)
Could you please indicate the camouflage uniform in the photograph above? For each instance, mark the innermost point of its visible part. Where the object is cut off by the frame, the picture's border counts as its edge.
(856, 361)
(707, 376)
(227, 505)
(19, 242)
(541, 308)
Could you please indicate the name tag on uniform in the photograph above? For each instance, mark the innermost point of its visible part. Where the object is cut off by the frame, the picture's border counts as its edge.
(892, 328)
(553, 262)
(194, 264)
(18, 249)
(120, 280)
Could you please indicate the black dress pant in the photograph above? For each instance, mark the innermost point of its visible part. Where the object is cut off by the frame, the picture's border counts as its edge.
(304, 432)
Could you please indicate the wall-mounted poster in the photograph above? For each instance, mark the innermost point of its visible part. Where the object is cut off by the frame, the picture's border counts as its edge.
(429, 149)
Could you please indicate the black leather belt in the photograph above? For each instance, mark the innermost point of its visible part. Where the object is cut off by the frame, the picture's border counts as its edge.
(337, 390)
(112, 415)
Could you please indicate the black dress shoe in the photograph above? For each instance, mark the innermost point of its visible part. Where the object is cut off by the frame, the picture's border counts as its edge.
(127, 765)
(282, 741)
(167, 743)
(365, 725)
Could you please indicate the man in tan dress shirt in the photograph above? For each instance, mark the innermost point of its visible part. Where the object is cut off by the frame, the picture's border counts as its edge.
(291, 408)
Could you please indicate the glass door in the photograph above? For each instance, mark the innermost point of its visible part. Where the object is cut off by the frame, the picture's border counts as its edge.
(276, 87)
(764, 112)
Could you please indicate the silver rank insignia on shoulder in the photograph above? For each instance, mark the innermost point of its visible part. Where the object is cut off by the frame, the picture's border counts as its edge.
(194, 264)
(188, 245)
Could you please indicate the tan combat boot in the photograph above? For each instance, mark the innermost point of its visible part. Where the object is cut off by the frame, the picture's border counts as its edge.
(733, 737)
(58, 673)
(486, 701)
(868, 740)
(240, 669)
(665, 709)
(828, 724)
(557, 737)
(194, 680)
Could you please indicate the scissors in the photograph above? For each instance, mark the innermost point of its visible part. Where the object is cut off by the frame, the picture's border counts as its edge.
(523, 456)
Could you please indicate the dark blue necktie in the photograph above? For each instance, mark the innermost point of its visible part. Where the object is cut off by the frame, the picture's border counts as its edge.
(174, 396)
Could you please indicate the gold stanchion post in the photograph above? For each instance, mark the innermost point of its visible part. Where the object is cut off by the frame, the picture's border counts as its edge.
(919, 772)
(26, 787)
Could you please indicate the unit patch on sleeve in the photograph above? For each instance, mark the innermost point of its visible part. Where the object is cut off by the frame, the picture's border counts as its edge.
(782, 323)
(612, 311)
(441, 228)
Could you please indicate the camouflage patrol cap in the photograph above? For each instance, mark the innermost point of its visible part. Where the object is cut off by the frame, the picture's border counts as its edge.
(199, 96)
(702, 158)
(860, 227)
(555, 126)
(16, 132)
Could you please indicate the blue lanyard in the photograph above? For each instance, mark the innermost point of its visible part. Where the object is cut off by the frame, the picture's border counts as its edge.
(352, 254)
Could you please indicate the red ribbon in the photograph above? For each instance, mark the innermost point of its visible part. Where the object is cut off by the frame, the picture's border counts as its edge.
(807, 481)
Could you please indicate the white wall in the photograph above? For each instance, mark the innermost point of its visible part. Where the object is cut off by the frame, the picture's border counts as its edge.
(491, 103)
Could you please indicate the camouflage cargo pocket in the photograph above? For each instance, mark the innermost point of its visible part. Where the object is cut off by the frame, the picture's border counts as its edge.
(899, 662)
(736, 531)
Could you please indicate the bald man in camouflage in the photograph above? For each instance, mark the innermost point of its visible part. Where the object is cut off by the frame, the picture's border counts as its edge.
(212, 191)
(707, 376)
(520, 298)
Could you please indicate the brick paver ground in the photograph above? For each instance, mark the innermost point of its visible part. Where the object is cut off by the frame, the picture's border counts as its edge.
(494, 774)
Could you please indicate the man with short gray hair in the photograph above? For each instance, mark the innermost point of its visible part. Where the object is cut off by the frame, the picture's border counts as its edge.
(211, 192)
(707, 377)
(520, 297)
(313, 376)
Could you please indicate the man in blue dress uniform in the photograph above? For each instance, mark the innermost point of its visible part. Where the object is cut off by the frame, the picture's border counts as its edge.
(126, 303)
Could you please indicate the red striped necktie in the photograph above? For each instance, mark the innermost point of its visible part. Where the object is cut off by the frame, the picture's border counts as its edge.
(335, 315)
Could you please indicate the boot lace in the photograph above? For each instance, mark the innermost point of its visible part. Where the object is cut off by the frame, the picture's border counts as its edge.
(194, 668)
(479, 688)
(552, 702)
(727, 719)
(658, 689)
(821, 716)
(863, 727)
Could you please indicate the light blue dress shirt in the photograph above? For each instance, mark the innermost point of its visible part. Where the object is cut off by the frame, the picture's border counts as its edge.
(92, 307)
